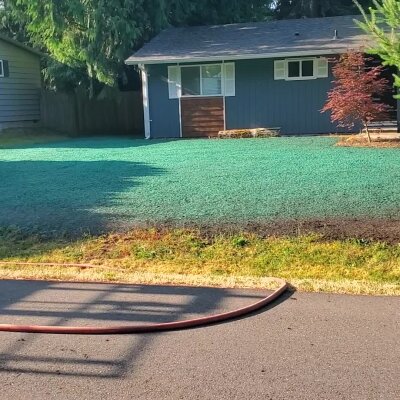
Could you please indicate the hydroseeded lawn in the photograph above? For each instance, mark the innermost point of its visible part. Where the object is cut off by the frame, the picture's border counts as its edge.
(103, 183)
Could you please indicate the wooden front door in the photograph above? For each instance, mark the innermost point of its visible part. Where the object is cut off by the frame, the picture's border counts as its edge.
(202, 116)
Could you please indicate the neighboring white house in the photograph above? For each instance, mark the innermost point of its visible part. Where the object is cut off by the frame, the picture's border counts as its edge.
(20, 84)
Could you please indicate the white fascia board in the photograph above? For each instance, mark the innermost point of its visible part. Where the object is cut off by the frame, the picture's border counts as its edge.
(241, 57)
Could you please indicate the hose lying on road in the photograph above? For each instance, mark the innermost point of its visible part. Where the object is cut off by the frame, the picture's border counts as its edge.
(144, 328)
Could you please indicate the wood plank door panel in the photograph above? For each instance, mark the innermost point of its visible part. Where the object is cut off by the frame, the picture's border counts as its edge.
(202, 117)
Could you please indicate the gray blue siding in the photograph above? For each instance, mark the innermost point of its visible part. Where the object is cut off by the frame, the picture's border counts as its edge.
(164, 112)
(260, 101)
(20, 90)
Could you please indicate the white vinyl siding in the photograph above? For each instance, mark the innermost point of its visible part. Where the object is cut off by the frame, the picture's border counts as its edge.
(301, 68)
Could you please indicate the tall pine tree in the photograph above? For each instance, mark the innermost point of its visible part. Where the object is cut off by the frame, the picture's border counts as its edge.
(88, 40)
(383, 24)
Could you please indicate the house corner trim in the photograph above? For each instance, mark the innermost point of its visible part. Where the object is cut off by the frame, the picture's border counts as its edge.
(145, 94)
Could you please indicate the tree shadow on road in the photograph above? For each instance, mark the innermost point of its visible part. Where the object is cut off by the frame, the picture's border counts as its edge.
(109, 357)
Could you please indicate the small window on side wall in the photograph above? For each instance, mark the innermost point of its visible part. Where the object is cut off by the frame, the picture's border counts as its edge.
(293, 69)
(301, 69)
(4, 70)
(307, 68)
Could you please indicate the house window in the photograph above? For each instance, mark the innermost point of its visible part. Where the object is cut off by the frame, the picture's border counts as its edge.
(307, 68)
(190, 77)
(211, 77)
(293, 69)
(204, 80)
(1, 69)
(201, 80)
(301, 69)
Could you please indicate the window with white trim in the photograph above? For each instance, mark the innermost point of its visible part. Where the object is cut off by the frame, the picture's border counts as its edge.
(301, 68)
(201, 80)
(1, 69)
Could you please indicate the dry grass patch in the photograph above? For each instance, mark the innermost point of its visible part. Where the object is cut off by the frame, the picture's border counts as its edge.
(249, 133)
(362, 141)
(191, 258)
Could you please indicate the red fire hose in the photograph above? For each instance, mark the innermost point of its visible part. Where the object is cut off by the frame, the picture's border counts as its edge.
(149, 328)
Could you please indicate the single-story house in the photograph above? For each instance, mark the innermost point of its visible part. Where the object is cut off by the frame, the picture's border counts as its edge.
(20, 84)
(200, 80)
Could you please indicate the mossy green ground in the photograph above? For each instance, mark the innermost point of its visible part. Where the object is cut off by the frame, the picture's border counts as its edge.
(113, 182)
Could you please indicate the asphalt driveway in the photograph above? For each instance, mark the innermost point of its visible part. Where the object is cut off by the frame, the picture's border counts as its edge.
(309, 346)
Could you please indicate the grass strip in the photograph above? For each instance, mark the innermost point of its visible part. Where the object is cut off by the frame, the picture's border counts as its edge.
(188, 257)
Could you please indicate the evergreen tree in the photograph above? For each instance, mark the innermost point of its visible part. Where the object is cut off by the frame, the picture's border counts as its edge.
(383, 23)
(88, 40)
(210, 12)
(93, 35)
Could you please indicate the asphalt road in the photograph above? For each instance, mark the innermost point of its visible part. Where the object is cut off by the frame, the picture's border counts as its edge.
(308, 346)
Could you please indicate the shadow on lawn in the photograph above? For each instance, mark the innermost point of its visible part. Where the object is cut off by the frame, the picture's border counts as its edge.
(66, 197)
(95, 304)
(91, 142)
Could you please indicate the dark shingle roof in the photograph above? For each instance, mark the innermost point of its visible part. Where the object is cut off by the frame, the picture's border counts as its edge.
(252, 40)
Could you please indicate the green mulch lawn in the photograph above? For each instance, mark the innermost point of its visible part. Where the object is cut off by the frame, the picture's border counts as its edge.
(113, 182)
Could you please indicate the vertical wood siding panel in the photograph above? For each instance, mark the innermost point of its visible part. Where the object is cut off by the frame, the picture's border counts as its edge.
(261, 101)
(164, 112)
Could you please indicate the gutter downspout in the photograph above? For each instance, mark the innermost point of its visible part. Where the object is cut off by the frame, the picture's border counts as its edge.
(145, 94)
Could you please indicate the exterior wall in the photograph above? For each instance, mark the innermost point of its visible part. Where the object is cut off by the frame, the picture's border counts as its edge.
(261, 101)
(164, 112)
(20, 90)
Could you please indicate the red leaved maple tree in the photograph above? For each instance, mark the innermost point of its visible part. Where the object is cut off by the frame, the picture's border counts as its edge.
(353, 99)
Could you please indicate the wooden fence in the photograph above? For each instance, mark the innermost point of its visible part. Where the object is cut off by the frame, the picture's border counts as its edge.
(74, 113)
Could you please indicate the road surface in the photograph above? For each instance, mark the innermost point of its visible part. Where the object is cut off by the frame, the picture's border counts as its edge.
(307, 346)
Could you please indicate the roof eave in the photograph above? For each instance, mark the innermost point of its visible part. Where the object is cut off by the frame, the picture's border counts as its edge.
(20, 45)
(303, 53)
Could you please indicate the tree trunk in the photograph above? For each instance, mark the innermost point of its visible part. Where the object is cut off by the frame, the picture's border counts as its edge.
(367, 130)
